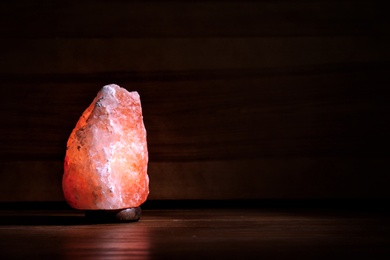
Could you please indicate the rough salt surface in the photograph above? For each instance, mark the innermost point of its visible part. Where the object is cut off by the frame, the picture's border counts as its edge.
(106, 159)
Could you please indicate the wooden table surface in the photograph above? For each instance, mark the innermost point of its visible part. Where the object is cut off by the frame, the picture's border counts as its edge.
(198, 234)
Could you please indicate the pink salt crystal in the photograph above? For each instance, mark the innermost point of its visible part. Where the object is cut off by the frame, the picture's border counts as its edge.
(106, 158)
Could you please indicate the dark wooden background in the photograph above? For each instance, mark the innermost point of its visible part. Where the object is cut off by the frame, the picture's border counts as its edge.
(241, 99)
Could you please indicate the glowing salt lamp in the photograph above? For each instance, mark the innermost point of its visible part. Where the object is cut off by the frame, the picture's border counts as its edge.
(105, 169)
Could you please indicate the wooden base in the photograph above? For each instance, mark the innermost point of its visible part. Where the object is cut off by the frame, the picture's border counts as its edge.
(113, 216)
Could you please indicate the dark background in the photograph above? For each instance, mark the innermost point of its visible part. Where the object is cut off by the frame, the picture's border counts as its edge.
(241, 99)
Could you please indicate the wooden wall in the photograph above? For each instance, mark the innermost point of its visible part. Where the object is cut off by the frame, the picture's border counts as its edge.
(241, 99)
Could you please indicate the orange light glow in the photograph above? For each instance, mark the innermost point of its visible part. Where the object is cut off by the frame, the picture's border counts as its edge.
(106, 158)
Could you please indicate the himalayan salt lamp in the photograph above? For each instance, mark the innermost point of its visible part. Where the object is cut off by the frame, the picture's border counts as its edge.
(105, 168)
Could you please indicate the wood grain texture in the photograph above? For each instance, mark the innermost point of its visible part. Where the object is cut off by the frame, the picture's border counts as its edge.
(77, 56)
(159, 19)
(264, 178)
(201, 233)
(291, 95)
(329, 114)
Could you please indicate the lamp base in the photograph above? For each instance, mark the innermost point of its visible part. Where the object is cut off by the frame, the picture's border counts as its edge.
(114, 216)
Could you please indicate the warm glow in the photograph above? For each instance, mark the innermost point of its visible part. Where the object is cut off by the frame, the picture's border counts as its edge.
(106, 159)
